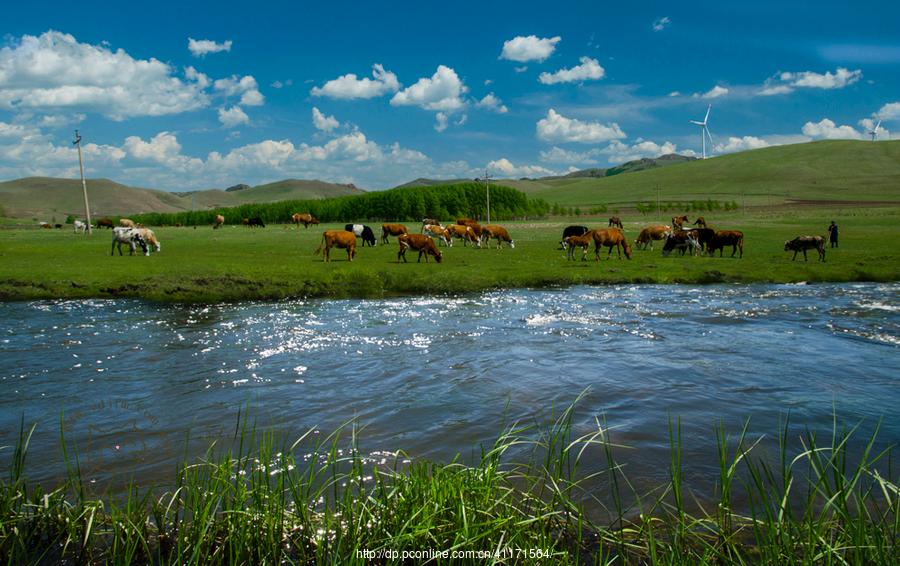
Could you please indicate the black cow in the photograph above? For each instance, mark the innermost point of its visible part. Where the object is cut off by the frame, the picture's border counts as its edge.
(362, 231)
(803, 243)
(256, 222)
(681, 240)
(572, 231)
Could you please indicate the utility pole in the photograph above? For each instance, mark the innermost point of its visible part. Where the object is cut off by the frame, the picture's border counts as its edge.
(87, 208)
(487, 181)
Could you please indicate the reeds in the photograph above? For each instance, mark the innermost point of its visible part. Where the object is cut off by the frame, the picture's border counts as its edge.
(259, 500)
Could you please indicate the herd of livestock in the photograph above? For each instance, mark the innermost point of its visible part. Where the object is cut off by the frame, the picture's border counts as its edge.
(679, 236)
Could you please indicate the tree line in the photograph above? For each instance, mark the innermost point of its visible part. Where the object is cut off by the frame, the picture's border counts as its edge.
(443, 202)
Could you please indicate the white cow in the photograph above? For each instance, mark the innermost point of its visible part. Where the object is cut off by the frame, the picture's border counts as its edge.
(130, 236)
(80, 226)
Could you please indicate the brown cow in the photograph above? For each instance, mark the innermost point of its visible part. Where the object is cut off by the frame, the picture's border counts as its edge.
(464, 233)
(305, 218)
(442, 233)
(499, 233)
(584, 242)
(803, 243)
(339, 239)
(421, 243)
(700, 222)
(127, 223)
(466, 221)
(651, 233)
(392, 230)
(220, 220)
(105, 223)
(679, 221)
(245, 221)
(733, 238)
(616, 221)
(610, 237)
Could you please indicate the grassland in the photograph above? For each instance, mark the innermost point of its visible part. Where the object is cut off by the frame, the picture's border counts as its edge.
(259, 500)
(238, 263)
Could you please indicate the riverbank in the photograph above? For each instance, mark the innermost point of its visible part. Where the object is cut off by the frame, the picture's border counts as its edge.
(237, 263)
(260, 500)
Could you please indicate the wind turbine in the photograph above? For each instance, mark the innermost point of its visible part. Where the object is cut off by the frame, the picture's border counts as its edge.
(704, 130)
(874, 131)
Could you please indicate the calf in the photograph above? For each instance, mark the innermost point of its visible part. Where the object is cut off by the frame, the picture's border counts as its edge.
(572, 231)
(615, 221)
(583, 241)
(421, 243)
(733, 238)
(803, 243)
(339, 239)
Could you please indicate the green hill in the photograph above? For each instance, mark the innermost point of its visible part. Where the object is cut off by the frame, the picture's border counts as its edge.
(817, 171)
(294, 189)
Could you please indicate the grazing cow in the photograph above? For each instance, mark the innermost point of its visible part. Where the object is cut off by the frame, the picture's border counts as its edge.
(703, 236)
(305, 218)
(679, 221)
(58, 226)
(442, 233)
(105, 223)
(464, 233)
(362, 231)
(149, 237)
(256, 221)
(582, 241)
(46, 225)
(610, 237)
(466, 221)
(80, 226)
(803, 243)
(573, 230)
(682, 240)
(429, 222)
(616, 221)
(421, 243)
(245, 221)
(130, 236)
(337, 239)
(476, 229)
(126, 223)
(733, 238)
(700, 222)
(497, 232)
(392, 230)
(220, 220)
(651, 233)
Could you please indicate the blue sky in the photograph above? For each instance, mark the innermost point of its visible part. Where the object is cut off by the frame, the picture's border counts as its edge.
(202, 95)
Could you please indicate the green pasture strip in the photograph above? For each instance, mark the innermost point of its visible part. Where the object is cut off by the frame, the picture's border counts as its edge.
(257, 499)
(277, 262)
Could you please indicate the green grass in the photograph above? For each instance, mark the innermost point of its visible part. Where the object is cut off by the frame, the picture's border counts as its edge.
(237, 263)
(257, 500)
(825, 170)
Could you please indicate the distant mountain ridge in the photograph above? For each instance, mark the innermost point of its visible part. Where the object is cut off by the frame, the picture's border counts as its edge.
(47, 198)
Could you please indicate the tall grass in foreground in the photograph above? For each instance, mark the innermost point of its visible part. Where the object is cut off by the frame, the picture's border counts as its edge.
(260, 501)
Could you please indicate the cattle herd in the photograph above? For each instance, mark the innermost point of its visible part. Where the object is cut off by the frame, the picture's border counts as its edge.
(699, 240)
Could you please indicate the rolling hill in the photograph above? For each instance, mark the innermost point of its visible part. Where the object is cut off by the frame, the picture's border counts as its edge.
(47, 198)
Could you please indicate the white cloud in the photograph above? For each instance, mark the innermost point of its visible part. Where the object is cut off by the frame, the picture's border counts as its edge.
(589, 70)
(559, 155)
(200, 47)
(440, 122)
(529, 48)
(868, 125)
(349, 87)
(841, 78)
(557, 128)
(715, 92)
(661, 23)
(233, 117)
(462, 120)
(506, 168)
(829, 130)
(442, 92)
(54, 71)
(193, 74)
(163, 149)
(775, 89)
(741, 144)
(890, 111)
(674, 93)
(492, 103)
(323, 122)
(521, 69)
(246, 87)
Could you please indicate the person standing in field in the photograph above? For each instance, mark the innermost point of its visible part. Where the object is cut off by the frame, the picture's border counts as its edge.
(833, 234)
